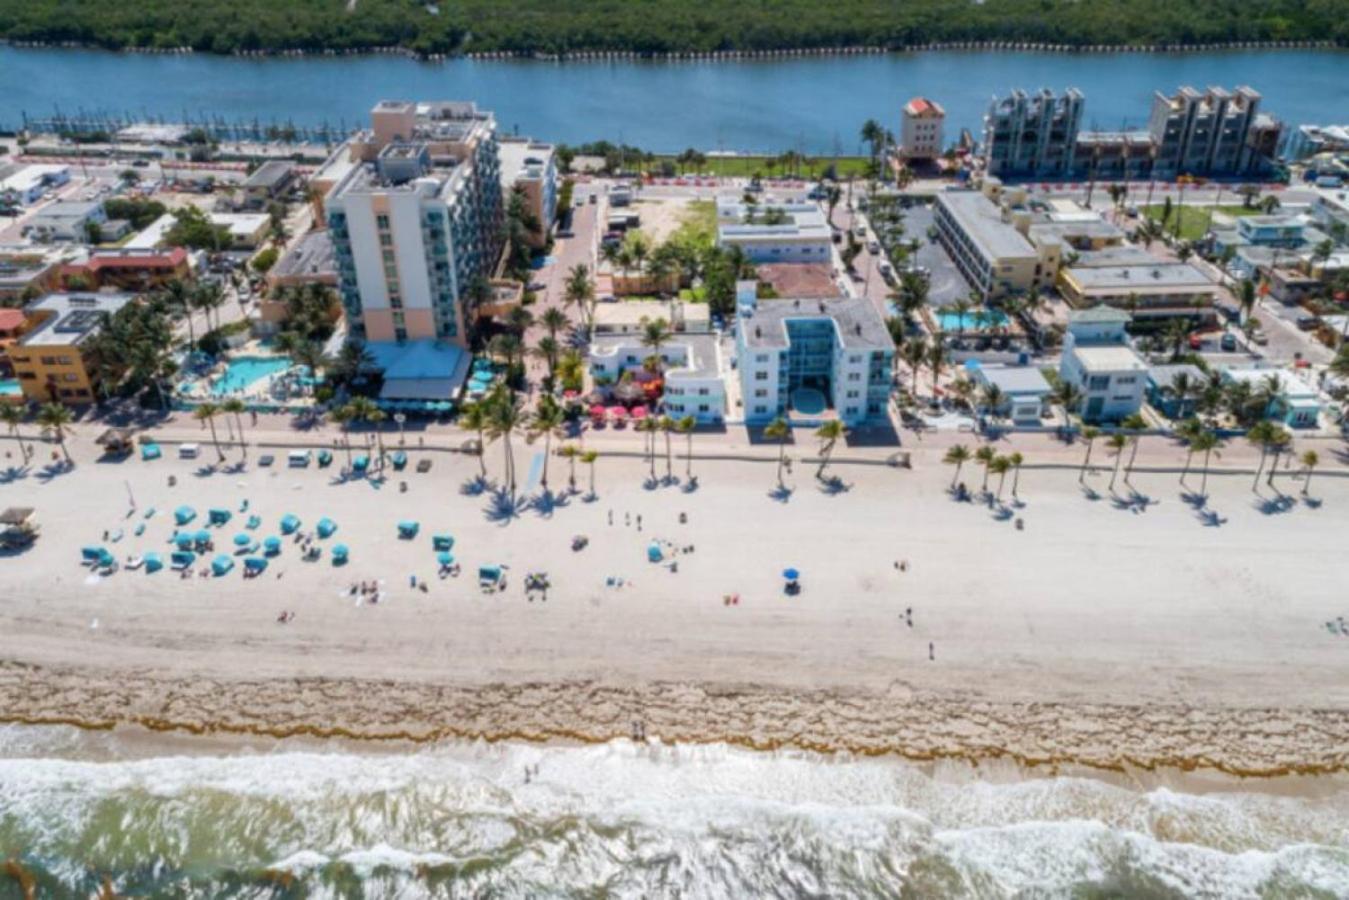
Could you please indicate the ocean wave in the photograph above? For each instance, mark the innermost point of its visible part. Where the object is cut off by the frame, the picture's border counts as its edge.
(629, 820)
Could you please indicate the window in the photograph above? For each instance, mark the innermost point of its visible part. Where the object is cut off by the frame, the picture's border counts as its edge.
(852, 395)
(760, 376)
(702, 392)
(400, 334)
(398, 319)
(702, 407)
(761, 409)
(854, 376)
(386, 240)
(1098, 382)
(1126, 379)
(382, 223)
(388, 257)
(761, 392)
(850, 410)
(761, 357)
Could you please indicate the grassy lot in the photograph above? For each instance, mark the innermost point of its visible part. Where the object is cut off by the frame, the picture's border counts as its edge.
(767, 166)
(1195, 220)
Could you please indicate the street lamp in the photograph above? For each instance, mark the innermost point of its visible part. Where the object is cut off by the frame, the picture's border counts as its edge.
(400, 418)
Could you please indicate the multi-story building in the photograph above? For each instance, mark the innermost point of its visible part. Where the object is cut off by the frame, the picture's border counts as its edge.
(1098, 360)
(416, 220)
(692, 367)
(921, 129)
(66, 220)
(1151, 292)
(1032, 135)
(805, 357)
(530, 168)
(1214, 133)
(1309, 140)
(773, 232)
(53, 360)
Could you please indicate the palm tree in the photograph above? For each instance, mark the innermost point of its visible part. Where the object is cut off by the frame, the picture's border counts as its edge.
(505, 418)
(991, 398)
(342, 415)
(1188, 431)
(956, 456)
(1136, 425)
(178, 296)
(580, 292)
(1263, 434)
(237, 406)
(362, 410)
(55, 418)
(569, 452)
(1310, 460)
(1208, 443)
(548, 420)
(12, 415)
(548, 349)
(648, 427)
(1089, 434)
(656, 334)
(1069, 396)
(829, 434)
(936, 360)
(999, 466)
(667, 425)
(914, 354)
(685, 427)
(554, 320)
(589, 457)
(1116, 445)
(1015, 460)
(984, 456)
(207, 413)
(376, 416)
(1246, 298)
(778, 430)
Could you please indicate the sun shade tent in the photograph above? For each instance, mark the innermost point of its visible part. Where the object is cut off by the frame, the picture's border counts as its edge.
(151, 451)
(218, 516)
(254, 564)
(361, 463)
(400, 460)
(489, 574)
(653, 552)
(185, 540)
(153, 562)
(326, 527)
(272, 545)
(221, 565)
(442, 542)
(340, 553)
(290, 523)
(445, 558)
(408, 528)
(182, 559)
(242, 540)
(325, 458)
(184, 514)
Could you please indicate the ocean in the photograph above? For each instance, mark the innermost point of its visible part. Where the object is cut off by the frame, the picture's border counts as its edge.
(149, 816)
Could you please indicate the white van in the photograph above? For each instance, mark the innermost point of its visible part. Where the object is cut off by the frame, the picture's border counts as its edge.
(298, 459)
(188, 451)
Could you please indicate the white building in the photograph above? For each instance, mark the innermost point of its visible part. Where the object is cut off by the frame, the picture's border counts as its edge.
(1297, 404)
(804, 357)
(631, 316)
(1099, 361)
(771, 232)
(66, 220)
(1023, 391)
(26, 185)
(695, 383)
(921, 129)
(531, 168)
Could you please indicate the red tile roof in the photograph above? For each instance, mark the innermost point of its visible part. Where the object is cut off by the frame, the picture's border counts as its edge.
(11, 319)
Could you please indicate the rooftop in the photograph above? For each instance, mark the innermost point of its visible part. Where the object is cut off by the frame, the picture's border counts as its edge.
(1099, 315)
(858, 324)
(71, 318)
(1109, 359)
(1163, 376)
(73, 210)
(700, 359)
(1291, 385)
(523, 159)
(802, 219)
(270, 175)
(1015, 379)
(632, 312)
(981, 220)
(921, 106)
(1172, 276)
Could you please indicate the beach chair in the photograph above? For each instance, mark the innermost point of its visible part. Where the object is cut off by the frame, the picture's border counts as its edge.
(221, 565)
(442, 542)
(326, 527)
(340, 554)
(290, 523)
(407, 529)
(400, 460)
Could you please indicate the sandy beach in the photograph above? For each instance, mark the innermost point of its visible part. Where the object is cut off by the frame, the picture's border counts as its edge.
(1111, 634)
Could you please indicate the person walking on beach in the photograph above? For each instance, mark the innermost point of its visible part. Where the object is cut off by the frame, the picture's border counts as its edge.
(639, 521)
(611, 517)
(931, 652)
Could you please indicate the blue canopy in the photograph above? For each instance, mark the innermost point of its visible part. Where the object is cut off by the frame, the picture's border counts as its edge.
(151, 451)
(361, 463)
(253, 522)
(221, 565)
(242, 540)
(326, 527)
(445, 558)
(218, 516)
(653, 552)
(181, 559)
(92, 553)
(184, 514)
(442, 542)
(272, 545)
(289, 523)
(489, 573)
(339, 554)
(184, 540)
(790, 574)
(400, 459)
(153, 562)
(203, 536)
(254, 563)
(407, 528)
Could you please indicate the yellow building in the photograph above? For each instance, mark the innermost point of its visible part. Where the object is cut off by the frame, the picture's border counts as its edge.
(52, 361)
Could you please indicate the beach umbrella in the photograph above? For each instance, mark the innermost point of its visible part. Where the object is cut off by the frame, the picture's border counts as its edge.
(153, 562)
(242, 540)
(203, 536)
(221, 565)
(790, 574)
(339, 554)
(326, 527)
(184, 514)
(272, 545)
(185, 540)
(445, 558)
(289, 523)
(407, 528)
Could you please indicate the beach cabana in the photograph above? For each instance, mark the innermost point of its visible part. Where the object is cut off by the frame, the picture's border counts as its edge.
(153, 562)
(290, 523)
(203, 537)
(326, 527)
(488, 576)
(653, 552)
(182, 559)
(442, 542)
(272, 545)
(254, 565)
(400, 460)
(185, 540)
(150, 452)
(184, 514)
(242, 539)
(218, 516)
(407, 529)
(221, 565)
(92, 554)
(340, 554)
(360, 464)
(325, 459)
(445, 558)
(638, 413)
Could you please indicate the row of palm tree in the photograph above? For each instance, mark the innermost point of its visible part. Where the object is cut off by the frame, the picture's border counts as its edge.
(208, 411)
(653, 426)
(53, 418)
(993, 464)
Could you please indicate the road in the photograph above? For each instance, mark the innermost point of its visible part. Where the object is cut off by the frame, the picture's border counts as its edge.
(568, 252)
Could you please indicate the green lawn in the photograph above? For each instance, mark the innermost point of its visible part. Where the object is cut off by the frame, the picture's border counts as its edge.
(1194, 220)
(766, 166)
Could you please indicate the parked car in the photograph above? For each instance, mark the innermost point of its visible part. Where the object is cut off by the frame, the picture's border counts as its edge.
(1228, 343)
(1230, 313)
(1308, 322)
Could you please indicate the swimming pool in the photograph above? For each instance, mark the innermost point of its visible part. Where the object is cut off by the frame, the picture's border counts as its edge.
(953, 321)
(243, 371)
(10, 387)
(808, 401)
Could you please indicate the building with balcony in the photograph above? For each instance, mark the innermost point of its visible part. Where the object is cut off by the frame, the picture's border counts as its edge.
(813, 359)
(1098, 360)
(1150, 291)
(1032, 135)
(53, 360)
(416, 220)
(773, 232)
(692, 366)
(530, 167)
(1216, 133)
